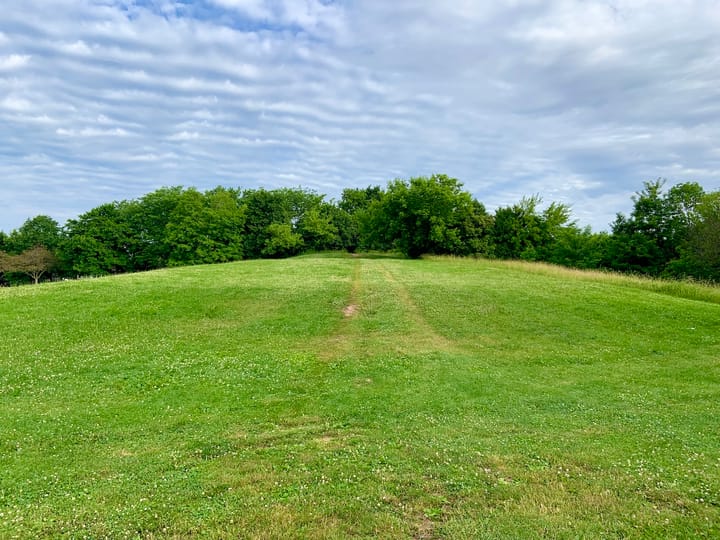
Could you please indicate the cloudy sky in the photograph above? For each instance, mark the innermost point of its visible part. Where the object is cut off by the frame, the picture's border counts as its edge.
(577, 100)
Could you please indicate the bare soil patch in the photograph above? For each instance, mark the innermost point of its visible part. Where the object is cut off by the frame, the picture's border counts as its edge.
(350, 310)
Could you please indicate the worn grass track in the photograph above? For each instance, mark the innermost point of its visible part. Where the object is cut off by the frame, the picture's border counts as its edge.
(457, 399)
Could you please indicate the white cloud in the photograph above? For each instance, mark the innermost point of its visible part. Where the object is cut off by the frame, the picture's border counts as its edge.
(311, 15)
(30, 119)
(13, 61)
(184, 136)
(257, 9)
(152, 157)
(15, 103)
(77, 47)
(576, 100)
(92, 132)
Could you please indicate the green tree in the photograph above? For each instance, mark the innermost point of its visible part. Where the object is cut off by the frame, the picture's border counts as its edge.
(351, 211)
(353, 200)
(519, 231)
(700, 252)
(148, 219)
(281, 241)
(427, 215)
(578, 248)
(630, 250)
(523, 231)
(100, 241)
(682, 202)
(281, 206)
(318, 229)
(38, 231)
(659, 223)
(205, 228)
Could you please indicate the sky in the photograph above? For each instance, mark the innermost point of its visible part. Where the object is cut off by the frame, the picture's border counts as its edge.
(579, 101)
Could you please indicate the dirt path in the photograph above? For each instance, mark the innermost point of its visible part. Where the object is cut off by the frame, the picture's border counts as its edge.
(374, 288)
(342, 342)
(425, 337)
(353, 306)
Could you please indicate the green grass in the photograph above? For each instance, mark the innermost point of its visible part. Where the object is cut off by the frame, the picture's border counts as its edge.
(457, 399)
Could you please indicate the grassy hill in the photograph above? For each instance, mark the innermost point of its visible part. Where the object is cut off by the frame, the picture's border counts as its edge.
(335, 397)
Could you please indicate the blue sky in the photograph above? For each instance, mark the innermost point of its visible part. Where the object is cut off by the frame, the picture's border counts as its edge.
(579, 101)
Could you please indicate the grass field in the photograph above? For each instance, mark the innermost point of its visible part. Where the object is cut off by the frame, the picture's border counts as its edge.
(337, 397)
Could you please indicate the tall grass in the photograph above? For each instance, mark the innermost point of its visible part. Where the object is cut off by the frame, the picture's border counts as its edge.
(681, 288)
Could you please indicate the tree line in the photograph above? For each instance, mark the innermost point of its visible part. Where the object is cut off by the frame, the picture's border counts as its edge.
(673, 233)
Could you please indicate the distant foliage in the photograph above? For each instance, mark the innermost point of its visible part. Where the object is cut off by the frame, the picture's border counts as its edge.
(265, 210)
(673, 233)
(699, 252)
(33, 262)
(38, 231)
(651, 240)
(205, 228)
(281, 241)
(427, 215)
(352, 213)
(101, 241)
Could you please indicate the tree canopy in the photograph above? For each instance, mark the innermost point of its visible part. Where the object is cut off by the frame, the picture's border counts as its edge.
(667, 233)
(427, 215)
(33, 262)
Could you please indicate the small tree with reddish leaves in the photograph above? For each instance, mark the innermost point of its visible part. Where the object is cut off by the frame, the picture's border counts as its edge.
(34, 262)
(4, 262)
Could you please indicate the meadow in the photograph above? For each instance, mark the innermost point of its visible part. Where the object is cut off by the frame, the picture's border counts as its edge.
(360, 397)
